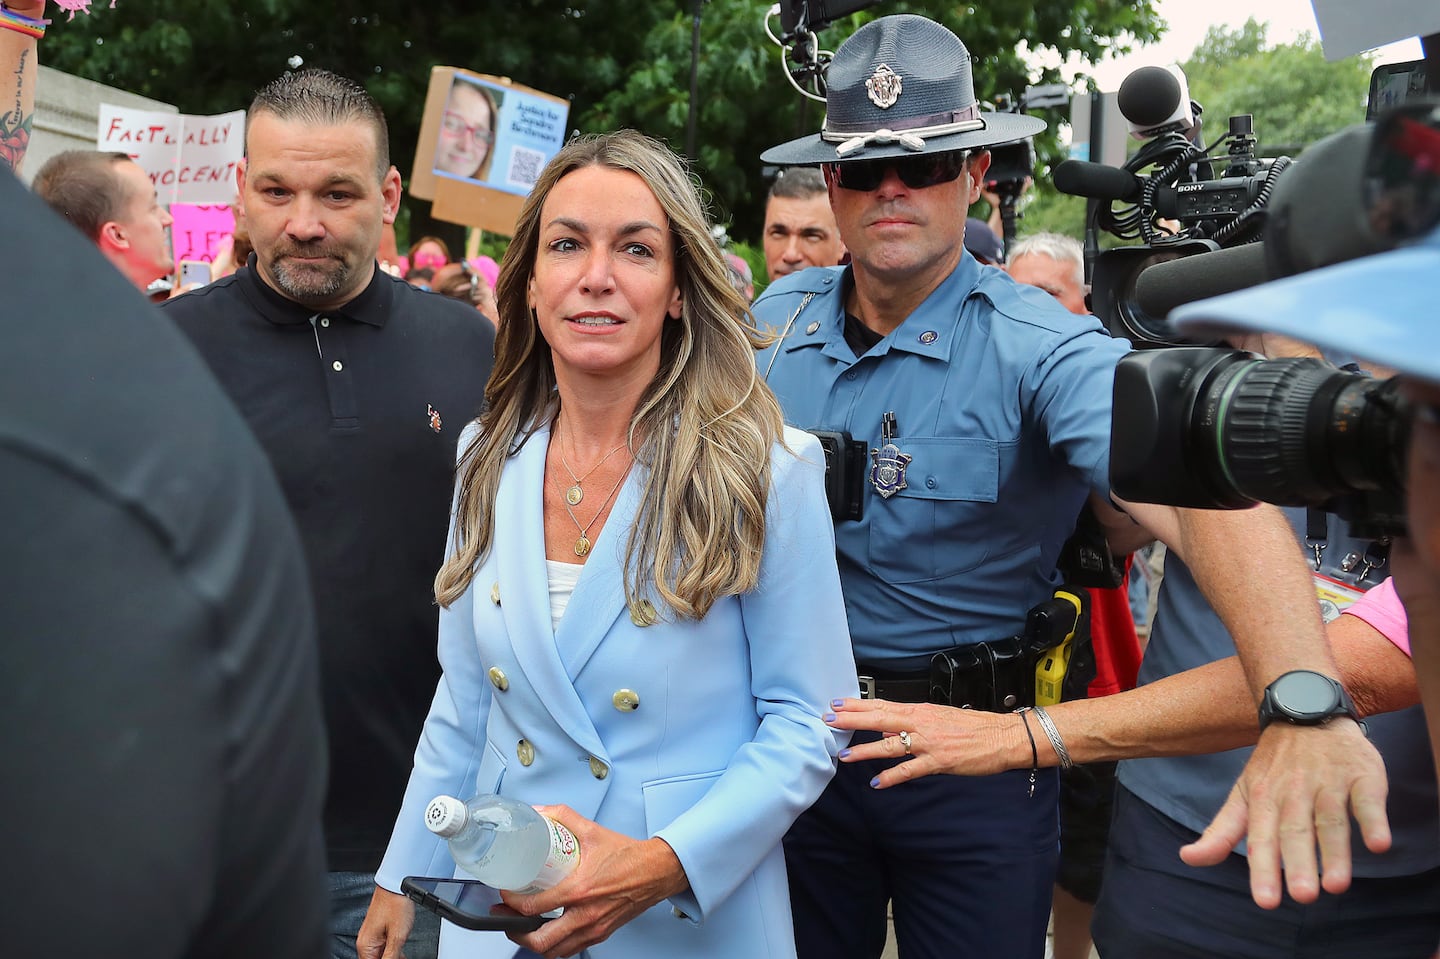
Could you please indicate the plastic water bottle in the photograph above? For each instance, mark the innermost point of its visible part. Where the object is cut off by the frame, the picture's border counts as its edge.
(504, 843)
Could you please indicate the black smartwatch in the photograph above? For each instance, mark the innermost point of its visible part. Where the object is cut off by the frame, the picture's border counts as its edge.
(1305, 698)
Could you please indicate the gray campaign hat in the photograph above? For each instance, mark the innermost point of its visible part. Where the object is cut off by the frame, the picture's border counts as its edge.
(901, 86)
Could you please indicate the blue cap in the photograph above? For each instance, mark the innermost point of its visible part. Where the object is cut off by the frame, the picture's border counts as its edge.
(982, 242)
(1383, 308)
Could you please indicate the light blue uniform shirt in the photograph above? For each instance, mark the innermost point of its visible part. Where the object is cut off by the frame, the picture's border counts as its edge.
(1002, 398)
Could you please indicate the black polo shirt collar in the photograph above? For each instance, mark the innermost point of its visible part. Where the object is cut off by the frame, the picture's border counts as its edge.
(371, 306)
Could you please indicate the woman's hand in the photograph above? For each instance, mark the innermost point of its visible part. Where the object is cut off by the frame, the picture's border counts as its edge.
(386, 926)
(943, 739)
(617, 879)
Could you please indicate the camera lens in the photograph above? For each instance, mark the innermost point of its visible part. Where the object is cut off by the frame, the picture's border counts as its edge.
(1134, 305)
(1213, 428)
(1298, 432)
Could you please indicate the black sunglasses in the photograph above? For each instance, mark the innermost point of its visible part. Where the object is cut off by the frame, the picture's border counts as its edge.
(916, 172)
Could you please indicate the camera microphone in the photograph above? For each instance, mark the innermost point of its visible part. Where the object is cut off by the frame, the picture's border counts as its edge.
(1156, 100)
(1097, 181)
(1163, 286)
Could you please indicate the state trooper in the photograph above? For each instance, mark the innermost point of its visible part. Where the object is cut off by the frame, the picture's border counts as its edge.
(983, 408)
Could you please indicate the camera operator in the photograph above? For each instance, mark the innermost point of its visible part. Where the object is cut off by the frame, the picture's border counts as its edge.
(990, 193)
(1153, 904)
(1417, 560)
(1382, 308)
(986, 407)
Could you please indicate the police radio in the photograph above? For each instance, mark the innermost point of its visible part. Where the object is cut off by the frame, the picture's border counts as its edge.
(844, 473)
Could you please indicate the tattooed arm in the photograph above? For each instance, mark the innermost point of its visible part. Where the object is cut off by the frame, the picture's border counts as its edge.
(18, 69)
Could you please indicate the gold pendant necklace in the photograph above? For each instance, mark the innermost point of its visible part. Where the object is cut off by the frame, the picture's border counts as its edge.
(583, 542)
(575, 494)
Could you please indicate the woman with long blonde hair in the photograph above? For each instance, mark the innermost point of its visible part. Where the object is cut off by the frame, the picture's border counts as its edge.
(642, 615)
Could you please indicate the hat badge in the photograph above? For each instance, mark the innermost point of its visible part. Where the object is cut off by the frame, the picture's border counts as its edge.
(883, 87)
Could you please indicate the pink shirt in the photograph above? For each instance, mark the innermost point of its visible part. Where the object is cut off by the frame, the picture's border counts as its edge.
(1381, 608)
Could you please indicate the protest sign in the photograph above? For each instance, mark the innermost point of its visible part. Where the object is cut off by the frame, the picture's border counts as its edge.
(483, 142)
(198, 230)
(191, 159)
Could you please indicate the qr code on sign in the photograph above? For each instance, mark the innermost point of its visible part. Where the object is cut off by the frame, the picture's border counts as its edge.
(525, 167)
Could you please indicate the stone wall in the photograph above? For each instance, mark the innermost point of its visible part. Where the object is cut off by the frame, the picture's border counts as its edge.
(67, 115)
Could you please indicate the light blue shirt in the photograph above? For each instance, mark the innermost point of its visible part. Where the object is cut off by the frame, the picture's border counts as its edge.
(1002, 399)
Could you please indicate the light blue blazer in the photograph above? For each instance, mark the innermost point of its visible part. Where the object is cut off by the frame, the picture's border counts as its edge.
(723, 751)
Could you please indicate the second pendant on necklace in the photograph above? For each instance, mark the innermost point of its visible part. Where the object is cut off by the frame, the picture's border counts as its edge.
(572, 496)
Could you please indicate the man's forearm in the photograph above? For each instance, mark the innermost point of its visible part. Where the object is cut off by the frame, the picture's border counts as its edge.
(1208, 708)
(1202, 710)
(1253, 574)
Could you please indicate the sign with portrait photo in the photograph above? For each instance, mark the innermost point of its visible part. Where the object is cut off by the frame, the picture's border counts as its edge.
(483, 142)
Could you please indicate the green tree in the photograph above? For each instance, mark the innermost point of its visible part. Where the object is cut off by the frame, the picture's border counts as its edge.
(620, 62)
(209, 57)
(1295, 95)
(747, 105)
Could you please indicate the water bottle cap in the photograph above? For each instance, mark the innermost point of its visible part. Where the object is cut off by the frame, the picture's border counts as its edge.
(445, 816)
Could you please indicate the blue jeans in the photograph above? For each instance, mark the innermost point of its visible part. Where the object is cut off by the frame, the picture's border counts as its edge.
(350, 894)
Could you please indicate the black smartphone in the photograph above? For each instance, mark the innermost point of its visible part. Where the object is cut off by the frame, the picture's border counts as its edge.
(1392, 84)
(467, 903)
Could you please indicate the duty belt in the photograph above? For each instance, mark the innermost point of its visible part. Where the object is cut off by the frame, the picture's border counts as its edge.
(999, 675)
(913, 687)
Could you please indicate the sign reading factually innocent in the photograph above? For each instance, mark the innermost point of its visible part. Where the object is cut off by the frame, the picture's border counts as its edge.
(192, 159)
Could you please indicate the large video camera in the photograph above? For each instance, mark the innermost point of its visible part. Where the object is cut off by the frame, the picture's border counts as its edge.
(1217, 428)
(800, 20)
(1012, 164)
(800, 16)
(1178, 197)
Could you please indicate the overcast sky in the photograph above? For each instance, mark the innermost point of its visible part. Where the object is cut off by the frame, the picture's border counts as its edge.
(1190, 19)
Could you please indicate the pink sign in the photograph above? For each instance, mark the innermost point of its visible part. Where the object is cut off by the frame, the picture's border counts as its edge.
(199, 228)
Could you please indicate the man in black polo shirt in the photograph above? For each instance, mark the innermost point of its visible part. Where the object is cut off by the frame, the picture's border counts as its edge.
(358, 386)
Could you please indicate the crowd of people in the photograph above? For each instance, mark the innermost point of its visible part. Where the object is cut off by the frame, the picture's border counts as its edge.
(745, 595)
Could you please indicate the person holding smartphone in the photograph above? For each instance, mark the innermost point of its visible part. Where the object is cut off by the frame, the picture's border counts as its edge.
(642, 620)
